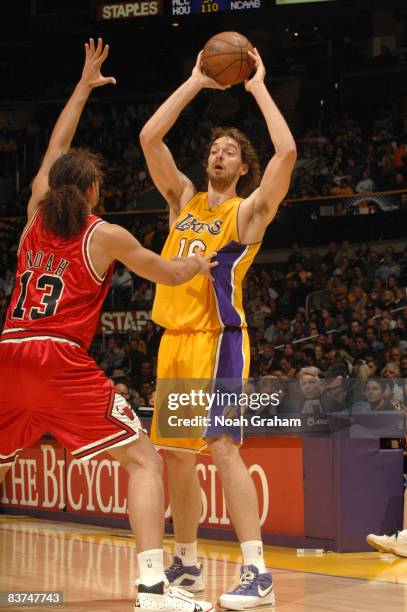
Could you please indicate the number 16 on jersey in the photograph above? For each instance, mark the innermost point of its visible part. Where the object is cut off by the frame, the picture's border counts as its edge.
(187, 250)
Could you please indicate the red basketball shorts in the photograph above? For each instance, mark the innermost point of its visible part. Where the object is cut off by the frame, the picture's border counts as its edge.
(54, 386)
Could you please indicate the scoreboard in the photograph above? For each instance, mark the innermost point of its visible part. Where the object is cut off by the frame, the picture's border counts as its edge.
(187, 7)
(148, 8)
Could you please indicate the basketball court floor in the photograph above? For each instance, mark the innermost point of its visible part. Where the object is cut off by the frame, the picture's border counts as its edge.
(95, 568)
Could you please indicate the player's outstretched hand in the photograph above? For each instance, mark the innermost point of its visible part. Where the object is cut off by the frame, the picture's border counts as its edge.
(94, 58)
(260, 73)
(206, 263)
(202, 78)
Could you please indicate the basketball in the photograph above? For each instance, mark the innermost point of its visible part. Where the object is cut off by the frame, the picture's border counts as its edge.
(225, 58)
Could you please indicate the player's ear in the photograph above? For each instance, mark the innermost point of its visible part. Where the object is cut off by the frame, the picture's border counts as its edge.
(244, 169)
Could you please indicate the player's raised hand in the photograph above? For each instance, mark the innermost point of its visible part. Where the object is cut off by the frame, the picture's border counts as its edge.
(202, 78)
(94, 58)
(260, 73)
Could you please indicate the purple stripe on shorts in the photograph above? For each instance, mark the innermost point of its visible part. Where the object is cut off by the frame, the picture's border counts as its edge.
(228, 379)
(230, 360)
(222, 276)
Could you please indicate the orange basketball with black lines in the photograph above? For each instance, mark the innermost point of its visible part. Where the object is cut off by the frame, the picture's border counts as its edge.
(225, 58)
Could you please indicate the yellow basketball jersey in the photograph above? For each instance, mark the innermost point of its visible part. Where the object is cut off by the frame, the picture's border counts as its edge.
(201, 304)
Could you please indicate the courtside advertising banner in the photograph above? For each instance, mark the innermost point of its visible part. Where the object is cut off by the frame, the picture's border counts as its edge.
(47, 478)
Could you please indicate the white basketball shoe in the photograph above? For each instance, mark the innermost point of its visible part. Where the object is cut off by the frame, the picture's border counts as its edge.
(160, 596)
(382, 543)
(254, 590)
(399, 546)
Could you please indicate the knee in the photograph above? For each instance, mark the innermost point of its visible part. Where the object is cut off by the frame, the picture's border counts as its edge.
(154, 461)
(148, 459)
(224, 453)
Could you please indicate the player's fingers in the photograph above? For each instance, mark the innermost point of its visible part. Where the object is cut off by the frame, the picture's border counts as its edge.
(104, 54)
(210, 255)
(213, 264)
(99, 48)
(86, 50)
(106, 80)
(91, 46)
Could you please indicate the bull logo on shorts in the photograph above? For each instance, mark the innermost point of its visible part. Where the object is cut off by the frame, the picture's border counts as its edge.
(126, 410)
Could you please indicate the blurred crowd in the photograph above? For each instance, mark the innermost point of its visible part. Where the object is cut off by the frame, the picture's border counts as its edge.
(343, 158)
(339, 156)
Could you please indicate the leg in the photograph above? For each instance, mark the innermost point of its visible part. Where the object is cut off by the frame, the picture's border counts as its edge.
(256, 585)
(186, 504)
(3, 472)
(185, 495)
(146, 511)
(238, 485)
(145, 493)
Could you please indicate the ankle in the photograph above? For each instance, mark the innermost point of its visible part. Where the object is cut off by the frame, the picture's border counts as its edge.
(151, 566)
(252, 551)
(188, 553)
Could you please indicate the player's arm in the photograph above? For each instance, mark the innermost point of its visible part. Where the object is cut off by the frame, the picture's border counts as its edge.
(68, 120)
(114, 242)
(260, 208)
(174, 186)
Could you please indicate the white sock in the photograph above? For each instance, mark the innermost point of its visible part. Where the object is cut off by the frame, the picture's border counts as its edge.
(253, 554)
(151, 566)
(188, 553)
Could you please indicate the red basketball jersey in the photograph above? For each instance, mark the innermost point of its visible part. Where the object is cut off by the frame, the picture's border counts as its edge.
(57, 290)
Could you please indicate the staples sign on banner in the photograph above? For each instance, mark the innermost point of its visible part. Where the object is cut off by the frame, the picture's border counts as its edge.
(124, 320)
(128, 10)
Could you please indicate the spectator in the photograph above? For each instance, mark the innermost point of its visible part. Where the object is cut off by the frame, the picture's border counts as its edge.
(113, 358)
(375, 397)
(392, 371)
(311, 390)
(366, 185)
(122, 285)
(337, 388)
(388, 267)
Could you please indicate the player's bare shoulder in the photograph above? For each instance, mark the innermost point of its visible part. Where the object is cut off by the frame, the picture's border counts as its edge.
(249, 231)
(102, 245)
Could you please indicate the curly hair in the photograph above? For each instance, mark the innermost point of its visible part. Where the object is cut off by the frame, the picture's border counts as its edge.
(248, 182)
(64, 209)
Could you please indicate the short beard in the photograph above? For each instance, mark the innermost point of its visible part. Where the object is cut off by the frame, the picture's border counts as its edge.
(221, 183)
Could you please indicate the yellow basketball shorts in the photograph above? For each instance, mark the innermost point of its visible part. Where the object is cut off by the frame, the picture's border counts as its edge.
(205, 356)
